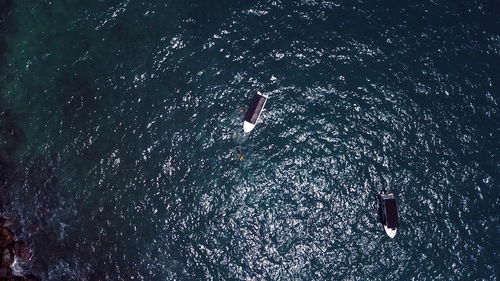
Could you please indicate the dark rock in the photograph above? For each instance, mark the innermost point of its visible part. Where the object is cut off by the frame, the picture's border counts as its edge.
(6, 237)
(22, 250)
(5, 272)
(7, 257)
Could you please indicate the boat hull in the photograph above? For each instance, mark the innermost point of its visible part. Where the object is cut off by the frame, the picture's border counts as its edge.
(253, 113)
(390, 232)
(388, 213)
(247, 126)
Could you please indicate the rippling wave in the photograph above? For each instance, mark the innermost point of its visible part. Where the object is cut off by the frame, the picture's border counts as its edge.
(132, 113)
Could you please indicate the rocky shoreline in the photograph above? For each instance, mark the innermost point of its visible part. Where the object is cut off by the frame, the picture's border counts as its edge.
(12, 250)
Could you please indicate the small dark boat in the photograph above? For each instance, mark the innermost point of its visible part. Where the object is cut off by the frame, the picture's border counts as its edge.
(388, 212)
(254, 111)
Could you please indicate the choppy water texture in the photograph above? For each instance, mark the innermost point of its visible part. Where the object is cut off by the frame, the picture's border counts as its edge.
(127, 116)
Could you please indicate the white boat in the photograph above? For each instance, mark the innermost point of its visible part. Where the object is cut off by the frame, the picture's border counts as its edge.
(388, 213)
(254, 110)
(391, 232)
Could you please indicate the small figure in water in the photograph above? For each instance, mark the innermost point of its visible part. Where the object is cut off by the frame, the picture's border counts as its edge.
(238, 150)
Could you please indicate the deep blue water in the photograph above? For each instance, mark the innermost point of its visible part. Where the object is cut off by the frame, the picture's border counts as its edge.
(121, 119)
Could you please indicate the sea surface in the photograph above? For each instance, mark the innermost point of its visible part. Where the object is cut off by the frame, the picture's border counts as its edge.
(121, 118)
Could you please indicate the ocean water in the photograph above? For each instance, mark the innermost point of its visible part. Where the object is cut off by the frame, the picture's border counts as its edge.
(120, 121)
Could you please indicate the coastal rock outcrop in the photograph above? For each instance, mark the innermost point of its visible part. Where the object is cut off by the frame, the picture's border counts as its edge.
(9, 250)
(6, 237)
(22, 251)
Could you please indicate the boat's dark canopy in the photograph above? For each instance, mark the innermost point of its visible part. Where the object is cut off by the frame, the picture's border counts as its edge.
(255, 108)
(391, 213)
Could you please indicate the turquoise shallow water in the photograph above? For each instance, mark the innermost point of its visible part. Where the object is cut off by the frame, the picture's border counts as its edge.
(123, 119)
